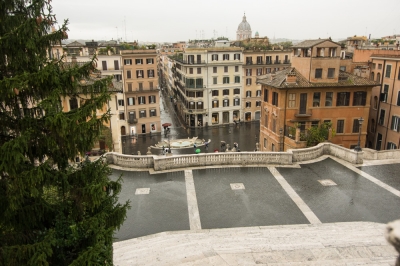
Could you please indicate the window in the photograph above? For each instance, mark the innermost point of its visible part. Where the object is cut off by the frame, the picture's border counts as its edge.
(372, 76)
(139, 61)
(258, 103)
(259, 60)
(266, 95)
(272, 147)
(340, 126)
(248, 81)
(356, 126)
(121, 116)
(248, 104)
(398, 98)
(199, 94)
(139, 74)
(379, 66)
(236, 102)
(215, 117)
(149, 61)
(259, 71)
(268, 59)
(142, 113)
(395, 123)
(214, 57)
(292, 100)
(150, 73)
(332, 52)
(248, 72)
(265, 143)
(131, 101)
(225, 92)
(128, 74)
(378, 142)
(378, 77)
(120, 102)
(249, 60)
(215, 103)
(199, 83)
(215, 81)
(190, 59)
(225, 80)
(152, 99)
(73, 104)
(151, 85)
(129, 86)
(372, 125)
(316, 99)
(388, 71)
(153, 112)
(236, 91)
(331, 72)
(391, 146)
(236, 56)
(140, 84)
(359, 98)
(274, 98)
(104, 65)
(237, 69)
(258, 93)
(384, 95)
(381, 117)
(226, 103)
(225, 57)
(267, 70)
(199, 70)
(328, 98)
(214, 69)
(248, 93)
(215, 93)
(342, 68)
(191, 70)
(343, 99)
(266, 120)
(142, 100)
(127, 61)
(373, 65)
(225, 69)
(318, 73)
(237, 79)
(132, 115)
(273, 125)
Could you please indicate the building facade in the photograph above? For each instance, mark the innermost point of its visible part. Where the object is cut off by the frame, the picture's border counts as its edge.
(141, 93)
(309, 93)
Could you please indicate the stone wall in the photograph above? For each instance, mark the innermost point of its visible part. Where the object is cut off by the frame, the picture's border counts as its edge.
(370, 154)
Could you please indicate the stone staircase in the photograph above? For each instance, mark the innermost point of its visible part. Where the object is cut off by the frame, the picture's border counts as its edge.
(353, 243)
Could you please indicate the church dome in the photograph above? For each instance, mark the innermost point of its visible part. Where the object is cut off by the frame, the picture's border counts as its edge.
(244, 25)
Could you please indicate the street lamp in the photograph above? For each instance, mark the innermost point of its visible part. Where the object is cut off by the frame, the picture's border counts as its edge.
(360, 122)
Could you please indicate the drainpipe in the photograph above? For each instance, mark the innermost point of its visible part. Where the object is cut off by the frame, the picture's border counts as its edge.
(284, 122)
(379, 104)
(390, 105)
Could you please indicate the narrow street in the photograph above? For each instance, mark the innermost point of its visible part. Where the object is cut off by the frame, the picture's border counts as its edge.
(245, 134)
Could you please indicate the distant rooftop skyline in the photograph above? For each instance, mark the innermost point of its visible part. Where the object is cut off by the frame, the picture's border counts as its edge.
(178, 20)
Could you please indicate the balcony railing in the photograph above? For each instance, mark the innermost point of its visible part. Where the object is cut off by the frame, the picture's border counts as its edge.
(268, 62)
(259, 62)
(303, 113)
(286, 62)
(132, 121)
(194, 111)
(277, 61)
(190, 62)
(249, 62)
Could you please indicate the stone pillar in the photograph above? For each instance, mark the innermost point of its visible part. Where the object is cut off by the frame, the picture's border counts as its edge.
(297, 134)
(148, 151)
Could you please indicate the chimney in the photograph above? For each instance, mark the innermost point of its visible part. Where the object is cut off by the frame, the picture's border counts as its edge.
(291, 78)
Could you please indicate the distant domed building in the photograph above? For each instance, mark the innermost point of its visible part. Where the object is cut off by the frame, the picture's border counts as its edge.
(257, 35)
(244, 30)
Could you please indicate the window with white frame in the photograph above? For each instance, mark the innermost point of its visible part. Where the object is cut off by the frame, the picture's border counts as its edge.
(121, 115)
(226, 103)
(248, 93)
(258, 103)
(153, 112)
(236, 56)
(248, 72)
(259, 71)
(215, 103)
(225, 80)
(131, 101)
(248, 104)
(150, 73)
(127, 62)
(388, 71)
(120, 102)
(214, 57)
(149, 61)
(225, 57)
(391, 146)
(142, 113)
(139, 61)
(395, 123)
(236, 102)
(292, 100)
(258, 93)
(152, 99)
(248, 81)
(142, 100)
(139, 74)
(237, 79)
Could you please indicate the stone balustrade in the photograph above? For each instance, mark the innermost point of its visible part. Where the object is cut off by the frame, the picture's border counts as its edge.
(162, 162)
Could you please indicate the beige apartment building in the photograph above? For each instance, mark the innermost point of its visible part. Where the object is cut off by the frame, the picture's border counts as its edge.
(256, 64)
(384, 120)
(208, 86)
(141, 93)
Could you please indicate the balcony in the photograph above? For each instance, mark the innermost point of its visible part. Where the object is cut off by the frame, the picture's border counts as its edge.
(268, 62)
(277, 61)
(303, 113)
(190, 62)
(132, 121)
(259, 62)
(286, 62)
(249, 62)
(194, 111)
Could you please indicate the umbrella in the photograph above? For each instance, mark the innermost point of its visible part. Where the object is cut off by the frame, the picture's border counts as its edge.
(166, 124)
(198, 151)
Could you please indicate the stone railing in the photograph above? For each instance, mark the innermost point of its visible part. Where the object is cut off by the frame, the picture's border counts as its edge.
(162, 162)
(370, 154)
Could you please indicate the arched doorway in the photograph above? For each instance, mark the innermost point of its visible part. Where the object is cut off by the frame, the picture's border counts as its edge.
(123, 131)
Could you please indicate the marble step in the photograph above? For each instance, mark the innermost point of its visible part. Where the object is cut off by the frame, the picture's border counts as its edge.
(356, 243)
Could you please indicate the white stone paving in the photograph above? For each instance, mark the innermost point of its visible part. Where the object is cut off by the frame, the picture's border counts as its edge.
(193, 208)
(357, 243)
(308, 213)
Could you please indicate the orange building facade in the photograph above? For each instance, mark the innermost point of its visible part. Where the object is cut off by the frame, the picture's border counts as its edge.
(309, 93)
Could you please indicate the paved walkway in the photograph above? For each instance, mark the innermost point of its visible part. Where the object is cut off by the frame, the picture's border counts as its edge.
(322, 212)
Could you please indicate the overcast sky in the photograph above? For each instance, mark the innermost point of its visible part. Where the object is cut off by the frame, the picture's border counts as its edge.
(178, 20)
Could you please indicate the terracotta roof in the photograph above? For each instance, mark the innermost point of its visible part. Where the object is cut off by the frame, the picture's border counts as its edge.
(278, 80)
(311, 43)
